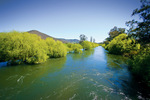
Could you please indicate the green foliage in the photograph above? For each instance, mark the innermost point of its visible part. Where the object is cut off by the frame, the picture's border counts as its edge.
(22, 46)
(76, 48)
(86, 45)
(56, 48)
(115, 32)
(140, 30)
(17, 47)
(103, 45)
(94, 45)
(140, 66)
(59, 50)
(122, 44)
(50, 43)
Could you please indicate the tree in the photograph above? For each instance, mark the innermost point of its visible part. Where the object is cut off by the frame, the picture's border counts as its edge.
(86, 45)
(22, 47)
(141, 30)
(115, 32)
(91, 40)
(122, 44)
(83, 37)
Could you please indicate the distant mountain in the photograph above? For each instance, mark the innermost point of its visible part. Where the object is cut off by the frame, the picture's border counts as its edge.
(69, 40)
(44, 36)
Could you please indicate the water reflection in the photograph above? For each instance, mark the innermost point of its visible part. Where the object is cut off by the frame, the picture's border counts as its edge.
(88, 53)
(115, 61)
(85, 54)
(21, 77)
(122, 78)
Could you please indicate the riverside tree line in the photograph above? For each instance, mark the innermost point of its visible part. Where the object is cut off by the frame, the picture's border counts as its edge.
(23, 47)
(135, 43)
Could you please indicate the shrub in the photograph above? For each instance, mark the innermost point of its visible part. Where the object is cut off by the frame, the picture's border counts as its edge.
(22, 46)
(59, 50)
(122, 44)
(94, 45)
(17, 47)
(103, 45)
(140, 66)
(86, 45)
(56, 49)
(76, 48)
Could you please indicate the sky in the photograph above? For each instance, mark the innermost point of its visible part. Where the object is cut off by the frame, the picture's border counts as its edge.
(67, 18)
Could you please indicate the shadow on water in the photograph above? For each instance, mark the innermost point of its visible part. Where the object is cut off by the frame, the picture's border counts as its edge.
(124, 79)
(115, 61)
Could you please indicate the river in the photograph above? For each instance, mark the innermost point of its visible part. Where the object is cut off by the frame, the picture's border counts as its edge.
(92, 75)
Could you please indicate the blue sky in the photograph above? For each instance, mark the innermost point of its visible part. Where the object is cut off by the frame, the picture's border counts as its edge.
(66, 18)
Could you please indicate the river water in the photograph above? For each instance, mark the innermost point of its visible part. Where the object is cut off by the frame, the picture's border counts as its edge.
(92, 75)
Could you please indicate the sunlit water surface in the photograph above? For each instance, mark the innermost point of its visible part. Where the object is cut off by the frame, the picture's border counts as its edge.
(92, 75)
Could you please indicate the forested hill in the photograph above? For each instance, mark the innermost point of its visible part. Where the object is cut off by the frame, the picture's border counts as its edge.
(44, 36)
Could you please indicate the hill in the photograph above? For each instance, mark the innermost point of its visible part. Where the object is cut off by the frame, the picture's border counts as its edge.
(44, 36)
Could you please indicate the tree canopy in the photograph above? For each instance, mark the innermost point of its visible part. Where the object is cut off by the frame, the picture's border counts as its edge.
(122, 44)
(115, 32)
(141, 29)
(83, 37)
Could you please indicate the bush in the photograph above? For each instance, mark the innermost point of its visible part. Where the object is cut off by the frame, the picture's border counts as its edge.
(86, 45)
(59, 50)
(22, 46)
(50, 44)
(76, 48)
(140, 66)
(122, 44)
(56, 49)
(103, 45)
(17, 47)
(94, 45)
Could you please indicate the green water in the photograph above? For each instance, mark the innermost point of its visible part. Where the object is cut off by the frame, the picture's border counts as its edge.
(92, 75)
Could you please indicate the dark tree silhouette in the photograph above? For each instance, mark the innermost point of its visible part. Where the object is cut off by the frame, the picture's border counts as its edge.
(91, 39)
(141, 30)
(82, 37)
(115, 32)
